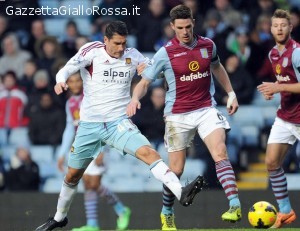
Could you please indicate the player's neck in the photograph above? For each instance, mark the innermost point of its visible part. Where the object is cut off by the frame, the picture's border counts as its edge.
(281, 46)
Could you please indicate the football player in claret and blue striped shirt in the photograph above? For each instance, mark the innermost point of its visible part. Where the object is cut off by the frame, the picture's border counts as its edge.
(285, 60)
(188, 62)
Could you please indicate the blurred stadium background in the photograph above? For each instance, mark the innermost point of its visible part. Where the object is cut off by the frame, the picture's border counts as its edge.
(224, 21)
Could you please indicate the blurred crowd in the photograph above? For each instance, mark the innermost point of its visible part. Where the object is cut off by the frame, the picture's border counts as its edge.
(31, 54)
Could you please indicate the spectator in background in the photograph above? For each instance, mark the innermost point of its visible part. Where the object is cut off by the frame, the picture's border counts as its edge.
(193, 5)
(26, 82)
(295, 20)
(68, 39)
(262, 38)
(12, 103)
(41, 86)
(248, 52)
(48, 50)
(217, 30)
(98, 28)
(37, 32)
(24, 172)
(47, 123)
(231, 17)
(148, 25)
(167, 34)
(153, 127)
(80, 41)
(14, 57)
(242, 82)
(2, 174)
(16, 21)
(266, 7)
(3, 29)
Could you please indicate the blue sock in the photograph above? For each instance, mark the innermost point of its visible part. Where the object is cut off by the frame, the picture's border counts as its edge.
(93, 223)
(167, 210)
(234, 202)
(119, 208)
(284, 205)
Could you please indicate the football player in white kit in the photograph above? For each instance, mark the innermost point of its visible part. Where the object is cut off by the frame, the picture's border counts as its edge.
(93, 174)
(107, 70)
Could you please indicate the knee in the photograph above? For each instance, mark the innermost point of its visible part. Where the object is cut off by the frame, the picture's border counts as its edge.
(93, 185)
(72, 178)
(220, 152)
(271, 163)
(147, 154)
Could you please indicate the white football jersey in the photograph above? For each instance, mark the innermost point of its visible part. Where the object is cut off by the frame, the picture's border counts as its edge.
(106, 80)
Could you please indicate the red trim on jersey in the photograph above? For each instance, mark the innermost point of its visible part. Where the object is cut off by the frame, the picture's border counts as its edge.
(90, 47)
(90, 69)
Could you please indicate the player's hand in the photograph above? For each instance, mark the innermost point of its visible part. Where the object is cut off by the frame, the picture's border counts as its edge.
(232, 103)
(60, 87)
(140, 68)
(132, 106)
(61, 164)
(268, 89)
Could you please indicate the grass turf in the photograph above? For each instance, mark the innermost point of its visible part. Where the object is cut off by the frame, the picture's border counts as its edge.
(247, 229)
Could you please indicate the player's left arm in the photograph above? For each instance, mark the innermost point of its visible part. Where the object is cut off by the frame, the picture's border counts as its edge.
(221, 75)
(149, 70)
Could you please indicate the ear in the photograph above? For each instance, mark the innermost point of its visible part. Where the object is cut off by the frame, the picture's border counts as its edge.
(105, 39)
(172, 25)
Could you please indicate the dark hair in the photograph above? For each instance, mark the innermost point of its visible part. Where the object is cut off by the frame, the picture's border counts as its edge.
(180, 12)
(116, 27)
(279, 13)
(11, 74)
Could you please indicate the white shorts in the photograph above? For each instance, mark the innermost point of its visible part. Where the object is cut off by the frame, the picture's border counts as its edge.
(181, 128)
(283, 132)
(94, 170)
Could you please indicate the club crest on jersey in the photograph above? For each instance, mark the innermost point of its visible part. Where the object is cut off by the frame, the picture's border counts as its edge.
(194, 66)
(204, 53)
(127, 61)
(278, 69)
(285, 62)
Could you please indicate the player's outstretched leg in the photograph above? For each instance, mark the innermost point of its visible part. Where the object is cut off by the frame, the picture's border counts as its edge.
(227, 179)
(186, 194)
(51, 224)
(286, 214)
(189, 191)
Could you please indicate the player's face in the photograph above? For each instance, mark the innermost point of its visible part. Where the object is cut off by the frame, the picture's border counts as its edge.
(183, 30)
(115, 46)
(75, 84)
(281, 30)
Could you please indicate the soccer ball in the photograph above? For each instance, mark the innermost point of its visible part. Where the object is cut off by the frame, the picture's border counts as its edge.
(262, 215)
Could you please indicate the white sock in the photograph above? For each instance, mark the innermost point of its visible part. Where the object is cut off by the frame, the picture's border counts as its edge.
(66, 196)
(163, 173)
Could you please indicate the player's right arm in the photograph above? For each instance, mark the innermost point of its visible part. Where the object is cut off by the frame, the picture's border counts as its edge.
(149, 74)
(81, 59)
(139, 92)
(67, 139)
